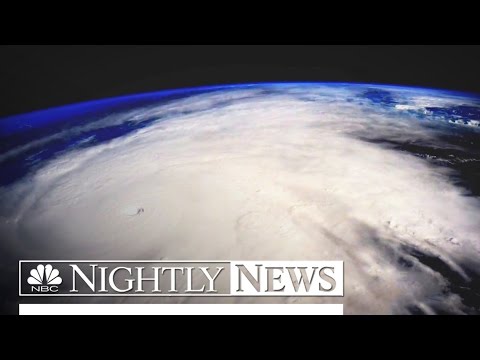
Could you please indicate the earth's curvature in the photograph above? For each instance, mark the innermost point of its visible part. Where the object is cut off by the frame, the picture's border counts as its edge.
(385, 178)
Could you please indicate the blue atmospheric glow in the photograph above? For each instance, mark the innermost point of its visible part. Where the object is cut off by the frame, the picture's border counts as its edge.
(25, 122)
(55, 124)
(17, 123)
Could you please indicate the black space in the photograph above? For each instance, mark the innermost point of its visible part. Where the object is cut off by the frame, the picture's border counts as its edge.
(35, 77)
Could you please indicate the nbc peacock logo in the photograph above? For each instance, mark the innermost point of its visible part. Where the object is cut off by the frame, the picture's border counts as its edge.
(44, 279)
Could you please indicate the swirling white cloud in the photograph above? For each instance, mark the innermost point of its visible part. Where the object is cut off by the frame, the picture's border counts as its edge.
(253, 175)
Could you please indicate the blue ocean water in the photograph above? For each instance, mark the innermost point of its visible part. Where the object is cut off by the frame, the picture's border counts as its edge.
(458, 146)
(20, 130)
(55, 124)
